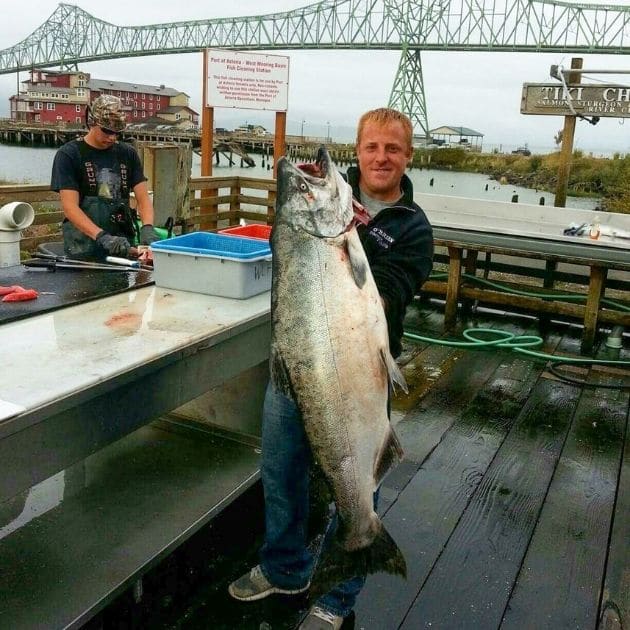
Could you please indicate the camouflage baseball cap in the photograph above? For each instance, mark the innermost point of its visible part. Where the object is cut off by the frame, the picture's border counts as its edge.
(106, 111)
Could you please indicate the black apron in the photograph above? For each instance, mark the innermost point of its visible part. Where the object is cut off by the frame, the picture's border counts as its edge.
(102, 211)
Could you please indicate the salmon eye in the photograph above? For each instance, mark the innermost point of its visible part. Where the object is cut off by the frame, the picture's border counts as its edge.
(303, 187)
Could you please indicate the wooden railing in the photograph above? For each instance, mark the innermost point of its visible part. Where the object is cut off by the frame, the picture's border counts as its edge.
(218, 201)
(215, 202)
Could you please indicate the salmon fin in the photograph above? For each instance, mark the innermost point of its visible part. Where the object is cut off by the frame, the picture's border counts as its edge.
(390, 455)
(337, 565)
(395, 375)
(358, 261)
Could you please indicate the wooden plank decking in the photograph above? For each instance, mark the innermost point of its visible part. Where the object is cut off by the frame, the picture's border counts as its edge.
(512, 505)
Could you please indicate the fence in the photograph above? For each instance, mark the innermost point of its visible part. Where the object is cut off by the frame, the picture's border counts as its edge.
(214, 202)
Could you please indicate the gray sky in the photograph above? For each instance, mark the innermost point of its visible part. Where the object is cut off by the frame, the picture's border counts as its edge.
(477, 90)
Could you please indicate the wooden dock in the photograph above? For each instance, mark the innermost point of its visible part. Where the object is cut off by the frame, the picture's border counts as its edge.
(297, 147)
(512, 505)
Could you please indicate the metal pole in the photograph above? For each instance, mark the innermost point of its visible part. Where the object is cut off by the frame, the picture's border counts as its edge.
(566, 151)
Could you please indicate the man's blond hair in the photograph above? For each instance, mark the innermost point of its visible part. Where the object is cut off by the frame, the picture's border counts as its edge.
(384, 116)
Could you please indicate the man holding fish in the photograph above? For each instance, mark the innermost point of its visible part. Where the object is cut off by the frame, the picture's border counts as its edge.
(339, 296)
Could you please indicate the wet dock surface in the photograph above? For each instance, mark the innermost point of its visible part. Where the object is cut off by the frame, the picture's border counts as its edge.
(512, 505)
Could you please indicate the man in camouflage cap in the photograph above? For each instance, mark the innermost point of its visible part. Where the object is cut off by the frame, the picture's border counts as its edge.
(94, 177)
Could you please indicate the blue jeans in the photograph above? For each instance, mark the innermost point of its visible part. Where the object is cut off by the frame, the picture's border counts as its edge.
(286, 458)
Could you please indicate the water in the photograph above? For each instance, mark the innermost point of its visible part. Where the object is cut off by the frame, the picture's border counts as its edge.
(26, 165)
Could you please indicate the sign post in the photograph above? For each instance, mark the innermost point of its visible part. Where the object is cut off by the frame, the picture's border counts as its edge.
(566, 150)
(207, 143)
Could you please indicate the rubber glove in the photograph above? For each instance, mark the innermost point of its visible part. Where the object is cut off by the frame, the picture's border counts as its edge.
(113, 245)
(148, 235)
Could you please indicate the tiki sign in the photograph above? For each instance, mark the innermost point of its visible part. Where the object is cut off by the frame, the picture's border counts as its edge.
(589, 100)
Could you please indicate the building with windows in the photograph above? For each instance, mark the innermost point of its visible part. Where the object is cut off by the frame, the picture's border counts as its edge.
(52, 97)
(61, 97)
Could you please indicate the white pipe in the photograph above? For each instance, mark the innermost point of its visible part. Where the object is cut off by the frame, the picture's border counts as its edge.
(16, 215)
(615, 338)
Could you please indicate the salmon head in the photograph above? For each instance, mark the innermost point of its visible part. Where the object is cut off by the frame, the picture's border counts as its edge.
(314, 197)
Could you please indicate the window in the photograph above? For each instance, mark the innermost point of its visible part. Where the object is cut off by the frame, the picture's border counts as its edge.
(135, 114)
(38, 117)
(77, 108)
(81, 82)
(80, 91)
(50, 107)
(37, 105)
(143, 96)
(144, 114)
(144, 105)
(78, 120)
(158, 98)
(59, 117)
(158, 107)
(178, 116)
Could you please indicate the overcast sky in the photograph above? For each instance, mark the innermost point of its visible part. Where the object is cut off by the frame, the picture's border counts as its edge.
(477, 90)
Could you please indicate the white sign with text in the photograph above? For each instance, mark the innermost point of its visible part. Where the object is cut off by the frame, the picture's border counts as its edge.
(247, 80)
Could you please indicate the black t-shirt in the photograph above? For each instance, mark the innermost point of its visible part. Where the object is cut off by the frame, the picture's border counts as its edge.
(108, 173)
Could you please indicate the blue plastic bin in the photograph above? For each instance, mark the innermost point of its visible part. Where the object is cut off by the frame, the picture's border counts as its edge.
(227, 266)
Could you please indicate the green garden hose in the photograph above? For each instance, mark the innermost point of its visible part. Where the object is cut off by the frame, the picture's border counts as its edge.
(520, 344)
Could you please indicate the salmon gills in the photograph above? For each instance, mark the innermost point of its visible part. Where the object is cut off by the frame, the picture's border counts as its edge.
(330, 354)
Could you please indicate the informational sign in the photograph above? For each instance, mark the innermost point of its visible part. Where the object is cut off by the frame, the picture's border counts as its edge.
(589, 100)
(247, 80)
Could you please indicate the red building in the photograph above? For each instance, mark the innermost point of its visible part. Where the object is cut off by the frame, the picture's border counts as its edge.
(52, 97)
(61, 97)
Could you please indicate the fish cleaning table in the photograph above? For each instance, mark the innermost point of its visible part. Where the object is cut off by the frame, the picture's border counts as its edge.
(81, 385)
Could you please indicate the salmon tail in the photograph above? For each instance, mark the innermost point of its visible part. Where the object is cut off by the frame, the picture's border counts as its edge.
(337, 565)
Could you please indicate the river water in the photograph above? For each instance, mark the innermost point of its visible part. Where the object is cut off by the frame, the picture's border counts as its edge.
(32, 166)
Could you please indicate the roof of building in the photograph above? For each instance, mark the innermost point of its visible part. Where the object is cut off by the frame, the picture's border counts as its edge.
(450, 130)
(101, 84)
(173, 109)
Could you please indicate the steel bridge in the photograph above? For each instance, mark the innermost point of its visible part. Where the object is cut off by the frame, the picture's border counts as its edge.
(71, 35)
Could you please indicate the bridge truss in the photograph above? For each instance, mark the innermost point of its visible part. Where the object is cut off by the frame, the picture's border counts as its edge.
(71, 35)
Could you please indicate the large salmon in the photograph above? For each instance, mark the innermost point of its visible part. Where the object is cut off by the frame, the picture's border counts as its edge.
(330, 354)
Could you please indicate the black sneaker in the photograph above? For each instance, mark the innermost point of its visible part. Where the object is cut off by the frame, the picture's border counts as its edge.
(254, 585)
